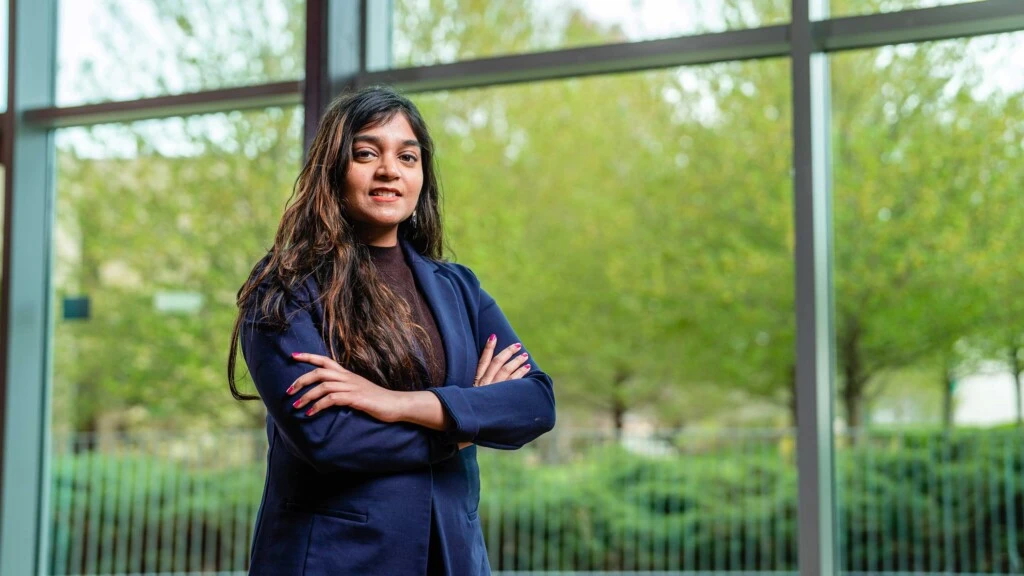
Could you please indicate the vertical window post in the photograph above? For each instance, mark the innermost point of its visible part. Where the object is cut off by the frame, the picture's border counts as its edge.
(28, 157)
(814, 301)
(335, 54)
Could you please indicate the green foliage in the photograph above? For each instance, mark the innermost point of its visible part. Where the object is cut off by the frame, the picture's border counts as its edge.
(140, 513)
(908, 501)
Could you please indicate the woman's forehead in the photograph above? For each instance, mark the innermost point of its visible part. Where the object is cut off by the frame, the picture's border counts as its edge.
(397, 127)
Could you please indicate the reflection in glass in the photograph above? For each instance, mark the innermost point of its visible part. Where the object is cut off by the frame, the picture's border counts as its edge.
(147, 48)
(929, 168)
(637, 230)
(442, 31)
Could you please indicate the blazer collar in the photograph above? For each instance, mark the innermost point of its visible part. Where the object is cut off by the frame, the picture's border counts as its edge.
(440, 297)
(416, 259)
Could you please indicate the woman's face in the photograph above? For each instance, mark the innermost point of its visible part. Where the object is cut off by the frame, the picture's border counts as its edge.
(384, 180)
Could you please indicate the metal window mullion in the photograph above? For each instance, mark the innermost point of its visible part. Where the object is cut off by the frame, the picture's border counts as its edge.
(334, 55)
(313, 90)
(815, 352)
(28, 158)
(921, 25)
(764, 42)
(346, 44)
(378, 24)
(285, 93)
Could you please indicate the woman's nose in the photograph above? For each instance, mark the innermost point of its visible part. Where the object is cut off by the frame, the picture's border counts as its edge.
(387, 168)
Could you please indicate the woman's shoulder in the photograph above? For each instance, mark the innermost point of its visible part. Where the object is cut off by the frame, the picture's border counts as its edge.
(459, 273)
(300, 292)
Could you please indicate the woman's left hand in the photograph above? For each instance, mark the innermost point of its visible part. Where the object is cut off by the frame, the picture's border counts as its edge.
(340, 387)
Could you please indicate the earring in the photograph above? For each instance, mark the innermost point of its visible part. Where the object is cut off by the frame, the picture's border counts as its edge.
(412, 221)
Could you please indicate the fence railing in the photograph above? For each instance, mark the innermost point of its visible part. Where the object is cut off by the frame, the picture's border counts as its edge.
(910, 502)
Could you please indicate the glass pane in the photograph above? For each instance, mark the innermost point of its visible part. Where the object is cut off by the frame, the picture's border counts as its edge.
(145, 48)
(929, 169)
(442, 31)
(155, 468)
(854, 7)
(637, 231)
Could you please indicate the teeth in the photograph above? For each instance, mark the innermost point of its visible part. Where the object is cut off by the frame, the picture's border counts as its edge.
(385, 194)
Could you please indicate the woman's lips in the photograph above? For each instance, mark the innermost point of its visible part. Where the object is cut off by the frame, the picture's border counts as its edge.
(384, 195)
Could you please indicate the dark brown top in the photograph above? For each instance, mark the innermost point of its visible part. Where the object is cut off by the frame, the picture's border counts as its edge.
(390, 262)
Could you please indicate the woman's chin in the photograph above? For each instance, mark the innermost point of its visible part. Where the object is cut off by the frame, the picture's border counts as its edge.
(379, 225)
(382, 217)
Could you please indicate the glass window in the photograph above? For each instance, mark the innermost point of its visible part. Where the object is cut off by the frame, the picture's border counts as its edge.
(855, 7)
(929, 167)
(637, 231)
(442, 31)
(158, 224)
(147, 48)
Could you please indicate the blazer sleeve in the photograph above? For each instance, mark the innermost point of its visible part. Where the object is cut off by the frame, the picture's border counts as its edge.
(506, 415)
(338, 439)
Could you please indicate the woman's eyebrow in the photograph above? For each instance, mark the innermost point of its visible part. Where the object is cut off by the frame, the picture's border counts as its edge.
(378, 142)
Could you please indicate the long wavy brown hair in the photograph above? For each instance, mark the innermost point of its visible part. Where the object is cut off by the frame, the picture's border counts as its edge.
(367, 328)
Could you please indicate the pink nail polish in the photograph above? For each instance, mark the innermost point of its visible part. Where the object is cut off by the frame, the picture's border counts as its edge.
(290, 390)
(296, 403)
(525, 355)
(527, 366)
(491, 339)
(309, 412)
(295, 354)
(518, 346)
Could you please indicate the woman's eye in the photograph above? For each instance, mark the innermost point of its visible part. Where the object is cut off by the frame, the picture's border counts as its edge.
(408, 158)
(363, 154)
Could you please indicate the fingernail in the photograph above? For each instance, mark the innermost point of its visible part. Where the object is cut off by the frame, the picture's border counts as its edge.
(296, 403)
(525, 355)
(491, 339)
(309, 412)
(518, 346)
(295, 354)
(527, 366)
(290, 389)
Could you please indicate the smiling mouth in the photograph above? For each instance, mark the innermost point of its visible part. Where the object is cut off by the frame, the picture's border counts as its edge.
(385, 193)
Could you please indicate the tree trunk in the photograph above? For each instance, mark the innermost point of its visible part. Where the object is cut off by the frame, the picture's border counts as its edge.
(949, 383)
(1016, 368)
(619, 403)
(87, 432)
(854, 378)
(618, 412)
(793, 421)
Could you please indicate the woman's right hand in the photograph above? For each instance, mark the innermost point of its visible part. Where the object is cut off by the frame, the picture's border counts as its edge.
(493, 369)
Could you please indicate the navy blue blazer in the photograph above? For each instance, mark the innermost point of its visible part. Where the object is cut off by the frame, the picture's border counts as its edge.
(348, 494)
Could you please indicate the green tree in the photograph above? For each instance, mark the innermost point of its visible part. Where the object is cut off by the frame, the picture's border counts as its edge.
(918, 220)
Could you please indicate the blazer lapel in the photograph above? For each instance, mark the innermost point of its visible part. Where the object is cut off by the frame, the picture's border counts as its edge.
(440, 297)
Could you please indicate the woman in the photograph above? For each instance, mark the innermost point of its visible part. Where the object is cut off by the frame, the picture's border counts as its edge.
(375, 360)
